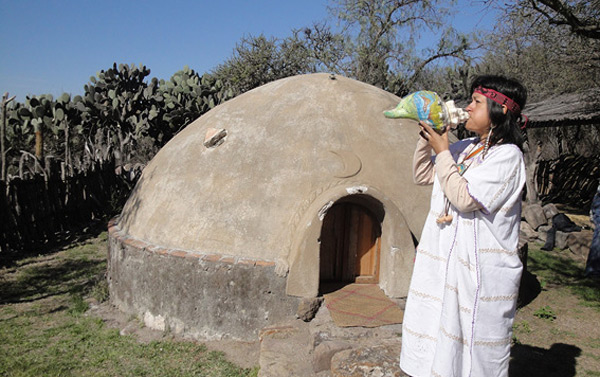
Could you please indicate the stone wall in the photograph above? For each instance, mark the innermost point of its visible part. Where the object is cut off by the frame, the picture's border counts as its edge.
(537, 222)
(201, 296)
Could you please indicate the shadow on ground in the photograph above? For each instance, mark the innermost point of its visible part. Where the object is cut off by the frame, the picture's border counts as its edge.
(62, 240)
(560, 269)
(28, 277)
(39, 281)
(529, 361)
(529, 289)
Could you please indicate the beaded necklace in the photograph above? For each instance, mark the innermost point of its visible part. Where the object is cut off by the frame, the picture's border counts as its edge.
(462, 167)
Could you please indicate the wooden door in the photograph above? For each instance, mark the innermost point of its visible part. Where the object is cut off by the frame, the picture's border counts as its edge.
(367, 248)
(350, 245)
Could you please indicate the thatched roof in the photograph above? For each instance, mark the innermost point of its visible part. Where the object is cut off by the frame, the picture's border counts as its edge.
(565, 109)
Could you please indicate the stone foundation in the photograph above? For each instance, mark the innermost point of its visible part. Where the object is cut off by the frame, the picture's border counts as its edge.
(201, 296)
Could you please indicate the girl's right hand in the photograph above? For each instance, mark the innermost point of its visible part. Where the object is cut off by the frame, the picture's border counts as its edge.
(438, 142)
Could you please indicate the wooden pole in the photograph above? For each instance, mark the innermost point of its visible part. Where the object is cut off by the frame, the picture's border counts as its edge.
(5, 101)
(39, 144)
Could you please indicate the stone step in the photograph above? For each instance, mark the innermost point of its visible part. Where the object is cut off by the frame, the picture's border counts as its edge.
(320, 348)
(285, 350)
(368, 361)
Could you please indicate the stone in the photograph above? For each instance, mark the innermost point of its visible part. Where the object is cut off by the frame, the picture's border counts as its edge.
(560, 240)
(155, 322)
(523, 251)
(324, 352)
(323, 329)
(528, 232)
(543, 232)
(522, 240)
(298, 348)
(129, 329)
(308, 307)
(236, 300)
(372, 361)
(534, 215)
(214, 137)
(285, 350)
(579, 243)
(549, 211)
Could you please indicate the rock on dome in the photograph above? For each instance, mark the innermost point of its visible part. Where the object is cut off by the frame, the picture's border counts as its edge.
(308, 184)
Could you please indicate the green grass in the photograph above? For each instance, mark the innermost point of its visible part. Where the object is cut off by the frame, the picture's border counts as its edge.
(44, 330)
(555, 269)
(545, 312)
(522, 326)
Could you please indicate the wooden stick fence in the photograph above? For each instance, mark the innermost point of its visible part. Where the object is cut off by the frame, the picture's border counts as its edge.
(570, 179)
(35, 213)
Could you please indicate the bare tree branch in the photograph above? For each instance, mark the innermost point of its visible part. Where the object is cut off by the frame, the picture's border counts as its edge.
(561, 13)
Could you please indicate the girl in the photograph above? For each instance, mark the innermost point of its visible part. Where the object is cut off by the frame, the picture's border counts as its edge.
(463, 292)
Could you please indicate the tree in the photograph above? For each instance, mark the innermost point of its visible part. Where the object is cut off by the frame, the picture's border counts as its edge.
(545, 56)
(326, 48)
(374, 44)
(381, 37)
(259, 60)
(582, 17)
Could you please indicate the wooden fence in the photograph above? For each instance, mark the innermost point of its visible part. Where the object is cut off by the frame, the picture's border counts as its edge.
(35, 213)
(570, 179)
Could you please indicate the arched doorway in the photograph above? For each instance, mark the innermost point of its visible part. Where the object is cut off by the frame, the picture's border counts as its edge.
(350, 247)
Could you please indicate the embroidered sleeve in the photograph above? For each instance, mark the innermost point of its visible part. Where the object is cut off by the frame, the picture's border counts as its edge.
(422, 163)
(453, 185)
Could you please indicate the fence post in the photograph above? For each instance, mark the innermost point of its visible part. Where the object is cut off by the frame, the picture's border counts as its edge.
(5, 101)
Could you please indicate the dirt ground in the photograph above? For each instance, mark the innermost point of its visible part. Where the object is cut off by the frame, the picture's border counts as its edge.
(555, 334)
(558, 333)
(564, 346)
(567, 345)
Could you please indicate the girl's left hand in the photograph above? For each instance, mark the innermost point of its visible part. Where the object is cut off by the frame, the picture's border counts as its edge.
(438, 142)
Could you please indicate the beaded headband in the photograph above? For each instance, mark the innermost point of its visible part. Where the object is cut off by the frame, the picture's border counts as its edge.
(502, 100)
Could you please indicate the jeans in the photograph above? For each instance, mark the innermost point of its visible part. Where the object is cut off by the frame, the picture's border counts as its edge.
(592, 267)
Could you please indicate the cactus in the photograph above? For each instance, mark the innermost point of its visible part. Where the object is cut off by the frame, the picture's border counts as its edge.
(119, 101)
(188, 95)
(117, 109)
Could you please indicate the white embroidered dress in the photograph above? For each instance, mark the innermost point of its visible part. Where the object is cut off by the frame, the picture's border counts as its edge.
(463, 292)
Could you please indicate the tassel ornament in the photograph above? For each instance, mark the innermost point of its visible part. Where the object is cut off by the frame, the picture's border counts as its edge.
(487, 142)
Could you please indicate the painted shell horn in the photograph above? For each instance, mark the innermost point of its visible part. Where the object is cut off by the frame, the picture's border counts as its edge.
(428, 106)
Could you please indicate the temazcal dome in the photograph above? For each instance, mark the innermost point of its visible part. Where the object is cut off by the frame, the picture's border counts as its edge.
(266, 201)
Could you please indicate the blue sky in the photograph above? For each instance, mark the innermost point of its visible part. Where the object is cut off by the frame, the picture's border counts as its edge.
(55, 46)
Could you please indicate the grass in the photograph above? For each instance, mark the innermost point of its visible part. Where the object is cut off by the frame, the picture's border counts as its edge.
(44, 330)
(554, 269)
(545, 312)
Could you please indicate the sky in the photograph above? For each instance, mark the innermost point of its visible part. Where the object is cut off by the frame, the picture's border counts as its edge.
(52, 46)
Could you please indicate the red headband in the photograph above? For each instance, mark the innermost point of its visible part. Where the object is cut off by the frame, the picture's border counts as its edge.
(502, 100)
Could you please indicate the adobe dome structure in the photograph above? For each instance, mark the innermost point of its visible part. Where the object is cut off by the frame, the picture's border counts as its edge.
(268, 200)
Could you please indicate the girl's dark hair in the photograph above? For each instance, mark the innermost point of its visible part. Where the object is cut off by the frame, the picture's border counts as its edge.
(507, 128)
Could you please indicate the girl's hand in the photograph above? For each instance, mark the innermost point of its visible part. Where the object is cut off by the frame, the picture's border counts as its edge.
(438, 142)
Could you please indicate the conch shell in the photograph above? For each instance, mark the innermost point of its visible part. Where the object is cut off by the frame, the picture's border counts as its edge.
(427, 106)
